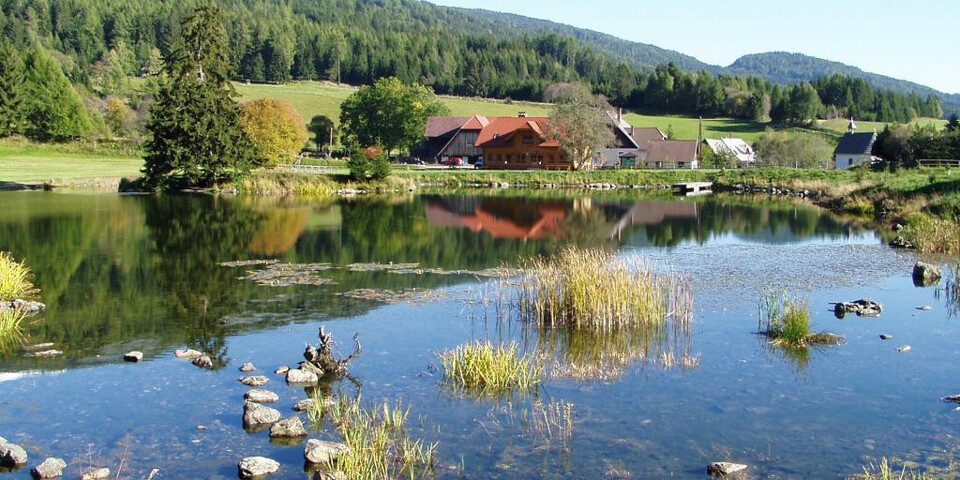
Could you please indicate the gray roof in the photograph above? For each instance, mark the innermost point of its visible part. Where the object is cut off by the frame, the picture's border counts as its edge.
(856, 144)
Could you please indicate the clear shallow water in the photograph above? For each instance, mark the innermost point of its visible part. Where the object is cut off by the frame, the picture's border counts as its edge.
(120, 273)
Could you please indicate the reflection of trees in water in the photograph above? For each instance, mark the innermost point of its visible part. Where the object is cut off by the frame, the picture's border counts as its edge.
(951, 291)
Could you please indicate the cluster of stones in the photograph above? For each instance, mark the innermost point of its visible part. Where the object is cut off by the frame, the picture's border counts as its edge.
(14, 457)
(258, 417)
(773, 191)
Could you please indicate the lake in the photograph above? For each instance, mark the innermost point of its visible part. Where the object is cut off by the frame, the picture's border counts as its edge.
(416, 274)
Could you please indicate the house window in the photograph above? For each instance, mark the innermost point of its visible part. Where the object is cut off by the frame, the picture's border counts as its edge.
(528, 139)
(680, 165)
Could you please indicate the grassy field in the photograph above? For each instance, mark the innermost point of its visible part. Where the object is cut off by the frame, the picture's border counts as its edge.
(31, 163)
(322, 98)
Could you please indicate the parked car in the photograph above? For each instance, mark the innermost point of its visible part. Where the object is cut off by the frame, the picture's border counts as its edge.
(411, 161)
(452, 161)
(479, 163)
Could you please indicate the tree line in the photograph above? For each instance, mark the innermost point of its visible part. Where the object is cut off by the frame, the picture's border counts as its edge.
(98, 44)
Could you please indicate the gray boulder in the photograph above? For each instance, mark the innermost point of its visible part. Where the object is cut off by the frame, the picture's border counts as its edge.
(49, 468)
(329, 475)
(257, 467)
(926, 275)
(287, 428)
(186, 353)
(96, 474)
(321, 452)
(12, 456)
(254, 381)
(723, 469)
(261, 396)
(247, 367)
(862, 307)
(3, 440)
(282, 370)
(297, 376)
(255, 415)
(203, 361)
(133, 356)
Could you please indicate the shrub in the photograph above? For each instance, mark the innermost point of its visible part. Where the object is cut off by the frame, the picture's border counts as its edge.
(369, 164)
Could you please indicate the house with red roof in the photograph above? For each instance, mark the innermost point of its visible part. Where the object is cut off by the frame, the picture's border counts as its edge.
(520, 143)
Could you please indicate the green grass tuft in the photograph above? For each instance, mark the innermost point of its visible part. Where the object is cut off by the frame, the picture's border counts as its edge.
(883, 471)
(485, 368)
(14, 279)
(784, 319)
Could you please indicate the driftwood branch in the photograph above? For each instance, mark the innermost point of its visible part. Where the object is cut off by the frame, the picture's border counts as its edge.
(323, 358)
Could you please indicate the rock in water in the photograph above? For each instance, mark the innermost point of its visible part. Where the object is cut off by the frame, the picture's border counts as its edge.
(884, 336)
(133, 356)
(329, 475)
(722, 469)
(862, 307)
(951, 399)
(203, 361)
(925, 274)
(297, 376)
(247, 367)
(308, 404)
(49, 468)
(261, 396)
(282, 370)
(96, 474)
(12, 456)
(288, 427)
(255, 415)
(319, 451)
(186, 353)
(904, 349)
(254, 467)
(255, 381)
(3, 440)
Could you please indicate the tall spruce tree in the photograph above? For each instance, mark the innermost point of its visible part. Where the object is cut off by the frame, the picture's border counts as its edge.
(197, 138)
(11, 90)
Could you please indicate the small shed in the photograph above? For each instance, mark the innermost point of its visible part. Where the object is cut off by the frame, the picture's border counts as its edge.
(853, 150)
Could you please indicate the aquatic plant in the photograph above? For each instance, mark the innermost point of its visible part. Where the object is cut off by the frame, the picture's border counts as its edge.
(883, 471)
(14, 279)
(933, 235)
(483, 367)
(595, 289)
(10, 333)
(784, 319)
(552, 422)
(379, 447)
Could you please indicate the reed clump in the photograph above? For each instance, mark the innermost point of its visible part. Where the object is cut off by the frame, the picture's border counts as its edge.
(933, 235)
(485, 368)
(14, 279)
(10, 333)
(595, 289)
(883, 471)
(379, 445)
(785, 320)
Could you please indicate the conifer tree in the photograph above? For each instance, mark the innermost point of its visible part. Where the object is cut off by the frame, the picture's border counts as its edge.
(11, 90)
(197, 138)
(53, 109)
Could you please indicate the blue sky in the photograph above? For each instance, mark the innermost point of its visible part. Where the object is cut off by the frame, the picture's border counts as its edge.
(915, 41)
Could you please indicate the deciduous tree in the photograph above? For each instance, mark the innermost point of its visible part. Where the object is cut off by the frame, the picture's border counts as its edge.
(579, 121)
(275, 128)
(322, 129)
(388, 113)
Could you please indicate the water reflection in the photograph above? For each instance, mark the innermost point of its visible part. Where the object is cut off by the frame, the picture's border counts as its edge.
(117, 271)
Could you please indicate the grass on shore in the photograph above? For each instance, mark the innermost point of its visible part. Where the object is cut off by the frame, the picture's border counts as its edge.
(378, 442)
(883, 471)
(14, 279)
(596, 290)
(484, 368)
(933, 235)
(29, 162)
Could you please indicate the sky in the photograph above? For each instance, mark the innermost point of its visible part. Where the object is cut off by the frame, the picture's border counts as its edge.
(914, 41)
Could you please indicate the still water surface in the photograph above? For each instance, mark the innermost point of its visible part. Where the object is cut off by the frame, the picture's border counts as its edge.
(120, 273)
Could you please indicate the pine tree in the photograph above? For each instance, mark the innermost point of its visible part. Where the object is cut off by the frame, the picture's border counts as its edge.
(11, 90)
(197, 137)
(53, 109)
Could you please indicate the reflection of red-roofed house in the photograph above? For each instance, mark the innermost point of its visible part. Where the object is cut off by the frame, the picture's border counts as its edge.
(531, 223)
(519, 143)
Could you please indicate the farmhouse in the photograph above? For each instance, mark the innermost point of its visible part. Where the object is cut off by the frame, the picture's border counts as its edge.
(854, 149)
(735, 148)
(452, 137)
(519, 143)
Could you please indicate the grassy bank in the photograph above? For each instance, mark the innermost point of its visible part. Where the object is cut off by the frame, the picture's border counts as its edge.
(28, 162)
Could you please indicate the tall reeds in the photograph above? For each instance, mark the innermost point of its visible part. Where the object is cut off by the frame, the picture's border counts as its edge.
(595, 289)
(783, 318)
(484, 368)
(933, 235)
(883, 471)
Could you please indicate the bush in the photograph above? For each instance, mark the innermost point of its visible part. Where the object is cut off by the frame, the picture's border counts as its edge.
(368, 165)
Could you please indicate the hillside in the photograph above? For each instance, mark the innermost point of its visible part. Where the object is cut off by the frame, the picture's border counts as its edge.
(788, 68)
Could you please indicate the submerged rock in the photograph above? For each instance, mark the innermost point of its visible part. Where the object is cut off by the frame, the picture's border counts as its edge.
(37, 347)
(254, 381)
(722, 469)
(12, 456)
(320, 452)
(254, 467)
(133, 356)
(96, 474)
(25, 306)
(247, 367)
(302, 377)
(261, 396)
(905, 349)
(925, 274)
(925, 308)
(49, 468)
(255, 415)
(308, 404)
(45, 354)
(187, 353)
(287, 428)
(862, 307)
(203, 361)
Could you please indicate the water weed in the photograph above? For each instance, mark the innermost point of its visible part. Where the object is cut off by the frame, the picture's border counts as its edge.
(482, 367)
(784, 319)
(883, 471)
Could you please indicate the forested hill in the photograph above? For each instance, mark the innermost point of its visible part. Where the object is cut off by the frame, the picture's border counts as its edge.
(638, 55)
(787, 68)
